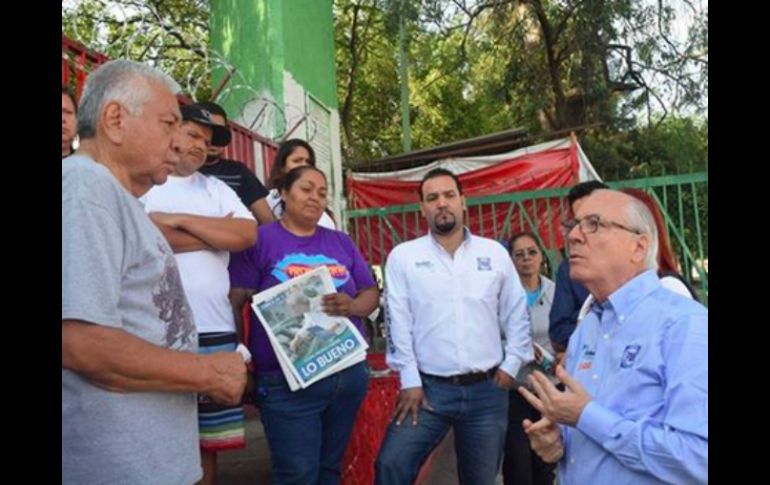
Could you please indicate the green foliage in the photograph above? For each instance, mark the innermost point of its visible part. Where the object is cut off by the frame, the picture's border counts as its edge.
(477, 67)
(169, 34)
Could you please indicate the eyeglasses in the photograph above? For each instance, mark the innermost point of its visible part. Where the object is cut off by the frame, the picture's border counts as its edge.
(590, 224)
(521, 254)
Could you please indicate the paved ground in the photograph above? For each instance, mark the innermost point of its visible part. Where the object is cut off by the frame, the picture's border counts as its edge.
(251, 466)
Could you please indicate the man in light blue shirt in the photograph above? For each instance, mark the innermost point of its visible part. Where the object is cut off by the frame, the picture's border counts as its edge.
(449, 297)
(636, 407)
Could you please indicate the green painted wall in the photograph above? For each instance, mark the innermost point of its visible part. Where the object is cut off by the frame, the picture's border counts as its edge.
(308, 29)
(262, 38)
(247, 34)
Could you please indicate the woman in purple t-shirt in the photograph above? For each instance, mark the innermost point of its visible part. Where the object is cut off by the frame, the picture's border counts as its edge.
(307, 430)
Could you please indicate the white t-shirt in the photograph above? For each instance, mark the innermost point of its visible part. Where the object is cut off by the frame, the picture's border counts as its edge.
(204, 273)
(274, 202)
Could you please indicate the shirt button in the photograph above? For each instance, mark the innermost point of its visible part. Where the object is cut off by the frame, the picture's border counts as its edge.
(606, 336)
(621, 318)
(572, 461)
(595, 376)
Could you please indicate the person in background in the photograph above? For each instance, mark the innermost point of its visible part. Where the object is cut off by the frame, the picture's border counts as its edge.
(569, 295)
(203, 220)
(232, 172)
(307, 430)
(450, 298)
(521, 465)
(69, 120)
(292, 154)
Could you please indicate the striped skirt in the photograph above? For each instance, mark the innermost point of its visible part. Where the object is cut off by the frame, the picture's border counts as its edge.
(221, 427)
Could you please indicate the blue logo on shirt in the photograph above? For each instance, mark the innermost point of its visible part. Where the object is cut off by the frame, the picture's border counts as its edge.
(629, 355)
(483, 264)
(424, 264)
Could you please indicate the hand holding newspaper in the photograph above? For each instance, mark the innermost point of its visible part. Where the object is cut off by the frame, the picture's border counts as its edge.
(544, 358)
(310, 345)
(544, 362)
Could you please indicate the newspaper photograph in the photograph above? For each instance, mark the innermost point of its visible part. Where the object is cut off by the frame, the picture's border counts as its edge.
(310, 344)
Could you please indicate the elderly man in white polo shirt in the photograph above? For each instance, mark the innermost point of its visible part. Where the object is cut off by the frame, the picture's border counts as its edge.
(449, 296)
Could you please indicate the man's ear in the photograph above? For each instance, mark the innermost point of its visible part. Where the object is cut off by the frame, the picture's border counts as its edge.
(112, 121)
(641, 245)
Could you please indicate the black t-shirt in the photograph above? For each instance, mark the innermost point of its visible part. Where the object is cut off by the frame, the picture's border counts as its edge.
(239, 178)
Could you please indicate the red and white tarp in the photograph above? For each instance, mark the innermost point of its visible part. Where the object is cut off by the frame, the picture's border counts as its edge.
(555, 164)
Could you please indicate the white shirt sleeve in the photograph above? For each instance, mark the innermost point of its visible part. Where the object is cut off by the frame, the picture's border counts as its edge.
(673, 284)
(514, 321)
(229, 200)
(400, 321)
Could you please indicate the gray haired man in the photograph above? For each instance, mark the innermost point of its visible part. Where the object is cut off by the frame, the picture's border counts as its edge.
(129, 364)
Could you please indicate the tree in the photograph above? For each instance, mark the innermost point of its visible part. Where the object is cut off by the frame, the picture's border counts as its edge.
(482, 66)
(367, 77)
(623, 67)
(169, 34)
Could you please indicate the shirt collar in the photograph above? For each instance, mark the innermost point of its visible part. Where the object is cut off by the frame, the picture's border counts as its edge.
(628, 296)
(466, 238)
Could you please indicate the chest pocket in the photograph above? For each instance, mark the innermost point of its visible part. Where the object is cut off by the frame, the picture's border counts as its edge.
(482, 285)
(639, 376)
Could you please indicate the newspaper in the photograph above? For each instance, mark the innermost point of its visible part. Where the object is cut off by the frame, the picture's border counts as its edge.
(543, 363)
(310, 345)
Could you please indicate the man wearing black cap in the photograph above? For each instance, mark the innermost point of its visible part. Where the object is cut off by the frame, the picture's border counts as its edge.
(235, 174)
(204, 220)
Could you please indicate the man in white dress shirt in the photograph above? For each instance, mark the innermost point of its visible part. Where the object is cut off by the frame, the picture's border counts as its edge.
(449, 296)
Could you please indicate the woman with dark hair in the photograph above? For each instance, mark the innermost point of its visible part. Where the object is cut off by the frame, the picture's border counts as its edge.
(521, 466)
(69, 120)
(307, 430)
(667, 268)
(666, 257)
(291, 154)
